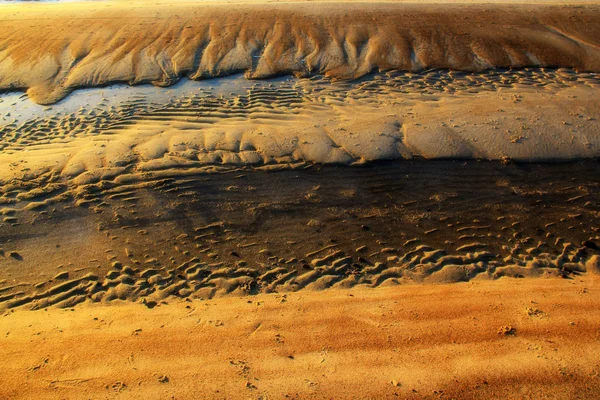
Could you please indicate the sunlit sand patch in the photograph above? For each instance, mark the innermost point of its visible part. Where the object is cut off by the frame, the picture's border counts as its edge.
(242, 199)
(126, 135)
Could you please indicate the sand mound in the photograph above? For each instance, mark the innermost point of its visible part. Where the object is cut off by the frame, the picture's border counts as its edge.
(50, 51)
(497, 115)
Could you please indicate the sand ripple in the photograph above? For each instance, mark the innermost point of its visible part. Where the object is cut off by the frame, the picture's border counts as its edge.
(246, 233)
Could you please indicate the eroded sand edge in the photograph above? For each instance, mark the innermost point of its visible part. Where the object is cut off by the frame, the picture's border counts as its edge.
(50, 51)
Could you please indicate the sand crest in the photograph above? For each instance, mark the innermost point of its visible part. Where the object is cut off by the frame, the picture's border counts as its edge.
(49, 51)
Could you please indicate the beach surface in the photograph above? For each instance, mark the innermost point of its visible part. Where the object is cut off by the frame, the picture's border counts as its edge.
(49, 50)
(342, 199)
(510, 338)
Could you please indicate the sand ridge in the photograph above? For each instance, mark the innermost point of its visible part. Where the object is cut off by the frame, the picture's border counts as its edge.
(298, 122)
(49, 51)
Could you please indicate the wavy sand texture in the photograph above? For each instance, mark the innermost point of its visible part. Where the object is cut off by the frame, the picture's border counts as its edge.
(50, 51)
(535, 115)
(243, 233)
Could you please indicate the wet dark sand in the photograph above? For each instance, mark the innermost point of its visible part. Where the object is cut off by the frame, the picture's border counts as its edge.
(246, 232)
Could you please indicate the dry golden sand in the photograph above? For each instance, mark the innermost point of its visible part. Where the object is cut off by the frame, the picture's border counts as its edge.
(49, 50)
(108, 210)
(502, 339)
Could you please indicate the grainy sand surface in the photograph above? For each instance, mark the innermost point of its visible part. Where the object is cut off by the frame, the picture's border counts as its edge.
(344, 199)
(511, 339)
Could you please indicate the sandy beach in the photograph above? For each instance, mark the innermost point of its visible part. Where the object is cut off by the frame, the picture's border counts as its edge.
(308, 199)
(493, 339)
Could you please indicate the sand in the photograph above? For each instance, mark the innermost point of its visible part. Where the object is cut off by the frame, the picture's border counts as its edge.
(247, 232)
(369, 88)
(529, 115)
(502, 339)
(49, 51)
(345, 199)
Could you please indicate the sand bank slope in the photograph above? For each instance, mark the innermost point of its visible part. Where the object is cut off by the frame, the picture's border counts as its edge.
(49, 51)
(526, 115)
(503, 339)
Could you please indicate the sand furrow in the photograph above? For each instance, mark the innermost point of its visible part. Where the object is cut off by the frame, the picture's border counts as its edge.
(201, 41)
